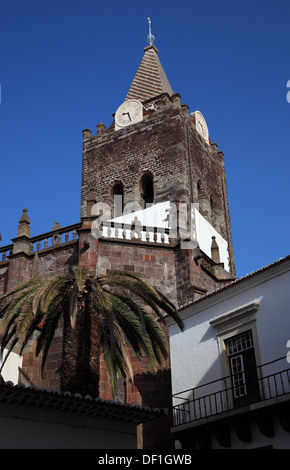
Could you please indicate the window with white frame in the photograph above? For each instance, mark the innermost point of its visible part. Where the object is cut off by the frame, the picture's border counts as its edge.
(241, 355)
(239, 352)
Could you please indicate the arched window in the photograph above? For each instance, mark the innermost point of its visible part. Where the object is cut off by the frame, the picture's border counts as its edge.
(118, 199)
(147, 189)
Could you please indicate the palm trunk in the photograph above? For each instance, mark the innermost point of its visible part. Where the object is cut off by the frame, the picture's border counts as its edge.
(80, 369)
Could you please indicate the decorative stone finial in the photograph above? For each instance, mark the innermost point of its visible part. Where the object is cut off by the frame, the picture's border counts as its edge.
(23, 227)
(56, 226)
(215, 252)
(24, 217)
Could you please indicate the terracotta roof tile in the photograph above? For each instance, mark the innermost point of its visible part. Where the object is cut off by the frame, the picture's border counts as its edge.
(75, 403)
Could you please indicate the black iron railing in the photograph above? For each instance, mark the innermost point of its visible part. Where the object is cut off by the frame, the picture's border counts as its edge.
(219, 396)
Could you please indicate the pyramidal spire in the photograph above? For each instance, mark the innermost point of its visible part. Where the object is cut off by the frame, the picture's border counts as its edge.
(150, 79)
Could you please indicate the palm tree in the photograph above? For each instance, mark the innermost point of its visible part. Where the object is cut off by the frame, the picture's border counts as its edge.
(100, 315)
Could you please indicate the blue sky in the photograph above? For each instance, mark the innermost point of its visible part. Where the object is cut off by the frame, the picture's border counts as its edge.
(66, 65)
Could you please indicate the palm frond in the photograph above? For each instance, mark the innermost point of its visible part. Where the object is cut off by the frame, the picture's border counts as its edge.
(35, 266)
(154, 332)
(115, 363)
(47, 333)
(103, 305)
(31, 328)
(37, 296)
(53, 288)
(123, 345)
(116, 354)
(25, 317)
(72, 295)
(13, 306)
(144, 291)
(13, 310)
(9, 334)
(21, 287)
(158, 338)
(8, 352)
(131, 324)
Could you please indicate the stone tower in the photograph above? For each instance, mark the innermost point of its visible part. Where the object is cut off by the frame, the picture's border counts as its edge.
(153, 202)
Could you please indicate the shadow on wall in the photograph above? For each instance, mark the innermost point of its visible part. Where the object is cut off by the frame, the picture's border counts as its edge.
(155, 391)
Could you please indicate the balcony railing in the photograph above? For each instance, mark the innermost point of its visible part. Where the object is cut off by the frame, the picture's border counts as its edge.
(5, 252)
(219, 396)
(55, 237)
(115, 230)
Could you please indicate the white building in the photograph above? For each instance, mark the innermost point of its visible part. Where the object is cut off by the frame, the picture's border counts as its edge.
(230, 365)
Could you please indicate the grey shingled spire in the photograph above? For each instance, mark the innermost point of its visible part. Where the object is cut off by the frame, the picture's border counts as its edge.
(150, 79)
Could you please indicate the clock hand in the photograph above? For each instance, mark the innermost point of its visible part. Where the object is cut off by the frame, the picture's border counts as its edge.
(128, 115)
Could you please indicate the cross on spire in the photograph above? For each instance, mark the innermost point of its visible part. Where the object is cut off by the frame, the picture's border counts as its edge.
(150, 38)
(150, 79)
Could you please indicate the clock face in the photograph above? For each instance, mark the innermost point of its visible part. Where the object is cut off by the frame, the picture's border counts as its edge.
(201, 125)
(128, 113)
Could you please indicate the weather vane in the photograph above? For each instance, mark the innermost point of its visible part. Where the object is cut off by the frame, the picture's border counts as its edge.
(150, 38)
